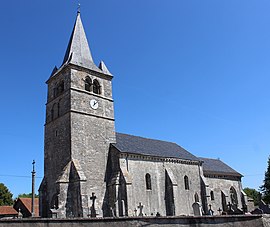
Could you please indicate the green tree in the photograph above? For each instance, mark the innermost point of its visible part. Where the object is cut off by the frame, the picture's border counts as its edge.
(5, 196)
(29, 195)
(254, 194)
(265, 188)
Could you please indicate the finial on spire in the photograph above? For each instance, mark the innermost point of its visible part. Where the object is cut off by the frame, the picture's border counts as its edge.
(79, 8)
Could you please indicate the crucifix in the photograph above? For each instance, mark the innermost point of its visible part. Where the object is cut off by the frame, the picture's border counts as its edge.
(93, 210)
(229, 206)
(135, 212)
(141, 208)
(33, 190)
(219, 211)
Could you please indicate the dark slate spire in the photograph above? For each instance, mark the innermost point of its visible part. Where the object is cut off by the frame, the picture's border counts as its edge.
(78, 51)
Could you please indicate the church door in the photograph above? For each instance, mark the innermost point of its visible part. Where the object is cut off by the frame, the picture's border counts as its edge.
(169, 197)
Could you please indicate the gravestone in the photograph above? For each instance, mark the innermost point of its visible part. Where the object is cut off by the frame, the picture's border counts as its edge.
(112, 212)
(264, 207)
(20, 215)
(230, 210)
(210, 211)
(140, 208)
(135, 212)
(197, 209)
(233, 209)
(54, 212)
(93, 209)
(257, 211)
(219, 211)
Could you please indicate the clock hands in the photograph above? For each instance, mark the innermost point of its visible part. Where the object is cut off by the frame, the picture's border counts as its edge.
(94, 104)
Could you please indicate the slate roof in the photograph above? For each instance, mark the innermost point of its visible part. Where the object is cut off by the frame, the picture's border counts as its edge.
(78, 51)
(139, 145)
(217, 167)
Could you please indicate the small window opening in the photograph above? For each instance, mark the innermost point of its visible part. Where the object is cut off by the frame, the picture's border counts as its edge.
(96, 87)
(186, 182)
(58, 109)
(59, 89)
(212, 195)
(148, 181)
(88, 84)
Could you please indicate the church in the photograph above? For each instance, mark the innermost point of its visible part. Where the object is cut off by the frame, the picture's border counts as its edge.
(92, 171)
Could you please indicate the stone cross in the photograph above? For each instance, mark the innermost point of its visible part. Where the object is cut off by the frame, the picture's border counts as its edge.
(33, 190)
(219, 211)
(141, 208)
(20, 215)
(135, 212)
(93, 210)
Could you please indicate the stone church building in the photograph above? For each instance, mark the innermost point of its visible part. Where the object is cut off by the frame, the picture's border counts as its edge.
(92, 171)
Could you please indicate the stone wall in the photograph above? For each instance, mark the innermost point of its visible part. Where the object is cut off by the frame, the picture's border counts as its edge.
(219, 185)
(77, 140)
(204, 221)
(154, 200)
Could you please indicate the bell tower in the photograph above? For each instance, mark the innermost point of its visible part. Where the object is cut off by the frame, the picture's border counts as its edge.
(79, 128)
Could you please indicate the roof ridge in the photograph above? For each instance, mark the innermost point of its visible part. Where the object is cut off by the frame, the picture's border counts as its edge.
(148, 138)
(218, 159)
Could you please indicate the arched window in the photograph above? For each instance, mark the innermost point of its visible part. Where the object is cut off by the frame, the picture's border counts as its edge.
(88, 84)
(148, 181)
(196, 197)
(96, 87)
(186, 183)
(233, 196)
(212, 195)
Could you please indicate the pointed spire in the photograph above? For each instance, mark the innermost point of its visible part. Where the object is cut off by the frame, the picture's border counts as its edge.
(78, 51)
(104, 68)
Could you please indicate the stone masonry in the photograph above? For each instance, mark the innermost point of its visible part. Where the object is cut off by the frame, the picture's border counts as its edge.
(92, 171)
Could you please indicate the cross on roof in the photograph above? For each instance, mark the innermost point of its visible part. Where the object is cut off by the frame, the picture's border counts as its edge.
(219, 210)
(79, 8)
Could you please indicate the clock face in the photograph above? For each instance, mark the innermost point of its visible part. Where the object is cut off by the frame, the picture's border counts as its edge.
(94, 104)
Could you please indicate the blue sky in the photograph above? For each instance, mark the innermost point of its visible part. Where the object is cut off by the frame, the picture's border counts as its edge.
(192, 72)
